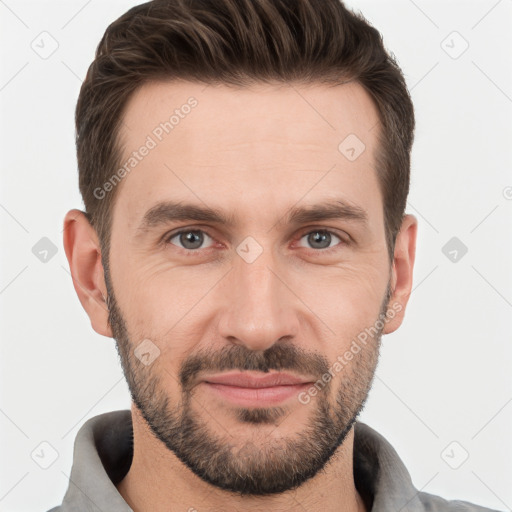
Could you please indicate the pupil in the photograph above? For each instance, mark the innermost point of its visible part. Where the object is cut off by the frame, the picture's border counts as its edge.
(188, 241)
(320, 237)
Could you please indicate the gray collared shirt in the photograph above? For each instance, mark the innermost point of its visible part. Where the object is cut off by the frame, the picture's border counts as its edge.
(103, 453)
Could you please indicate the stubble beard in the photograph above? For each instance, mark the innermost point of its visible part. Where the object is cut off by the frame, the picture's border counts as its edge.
(262, 465)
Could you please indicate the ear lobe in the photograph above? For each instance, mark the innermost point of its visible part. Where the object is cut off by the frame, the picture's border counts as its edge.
(83, 252)
(402, 272)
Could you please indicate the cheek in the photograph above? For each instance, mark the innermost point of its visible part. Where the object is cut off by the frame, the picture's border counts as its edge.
(350, 296)
(348, 305)
(162, 302)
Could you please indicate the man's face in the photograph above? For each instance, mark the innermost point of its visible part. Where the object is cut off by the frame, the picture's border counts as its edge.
(272, 291)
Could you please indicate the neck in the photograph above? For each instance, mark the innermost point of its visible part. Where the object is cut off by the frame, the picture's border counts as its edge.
(159, 481)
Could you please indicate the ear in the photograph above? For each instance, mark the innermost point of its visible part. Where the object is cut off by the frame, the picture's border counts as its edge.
(401, 273)
(84, 256)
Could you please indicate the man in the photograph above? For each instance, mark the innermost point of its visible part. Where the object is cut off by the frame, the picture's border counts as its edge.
(244, 166)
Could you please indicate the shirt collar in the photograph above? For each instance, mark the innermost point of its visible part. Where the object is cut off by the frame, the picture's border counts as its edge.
(380, 475)
(103, 452)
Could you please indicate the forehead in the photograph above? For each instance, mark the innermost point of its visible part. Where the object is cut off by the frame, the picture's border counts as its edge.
(255, 146)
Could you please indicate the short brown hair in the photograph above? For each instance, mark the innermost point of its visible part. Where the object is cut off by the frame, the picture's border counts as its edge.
(239, 42)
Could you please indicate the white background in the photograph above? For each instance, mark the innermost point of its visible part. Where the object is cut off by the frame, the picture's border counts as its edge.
(444, 376)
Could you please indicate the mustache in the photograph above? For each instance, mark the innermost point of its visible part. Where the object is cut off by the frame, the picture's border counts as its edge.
(237, 357)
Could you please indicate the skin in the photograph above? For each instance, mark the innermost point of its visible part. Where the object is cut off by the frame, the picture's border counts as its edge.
(254, 153)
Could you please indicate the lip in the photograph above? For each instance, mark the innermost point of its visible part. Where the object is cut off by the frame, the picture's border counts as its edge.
(254, 389)
(255, 379)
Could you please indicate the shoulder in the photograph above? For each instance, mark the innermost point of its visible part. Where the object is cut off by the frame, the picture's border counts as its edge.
(380, 474)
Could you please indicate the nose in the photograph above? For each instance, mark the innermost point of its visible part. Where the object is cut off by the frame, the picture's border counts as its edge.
(258, 308)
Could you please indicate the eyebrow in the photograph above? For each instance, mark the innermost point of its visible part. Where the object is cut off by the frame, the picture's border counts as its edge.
(166, 212)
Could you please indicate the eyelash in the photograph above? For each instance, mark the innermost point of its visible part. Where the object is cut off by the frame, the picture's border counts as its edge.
(193, 252)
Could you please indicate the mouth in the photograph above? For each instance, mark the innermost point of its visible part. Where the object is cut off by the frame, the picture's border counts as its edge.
(255, 389)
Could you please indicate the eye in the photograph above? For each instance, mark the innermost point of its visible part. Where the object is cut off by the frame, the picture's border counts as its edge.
(189, 239)
(321, 239)
(193, 240)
